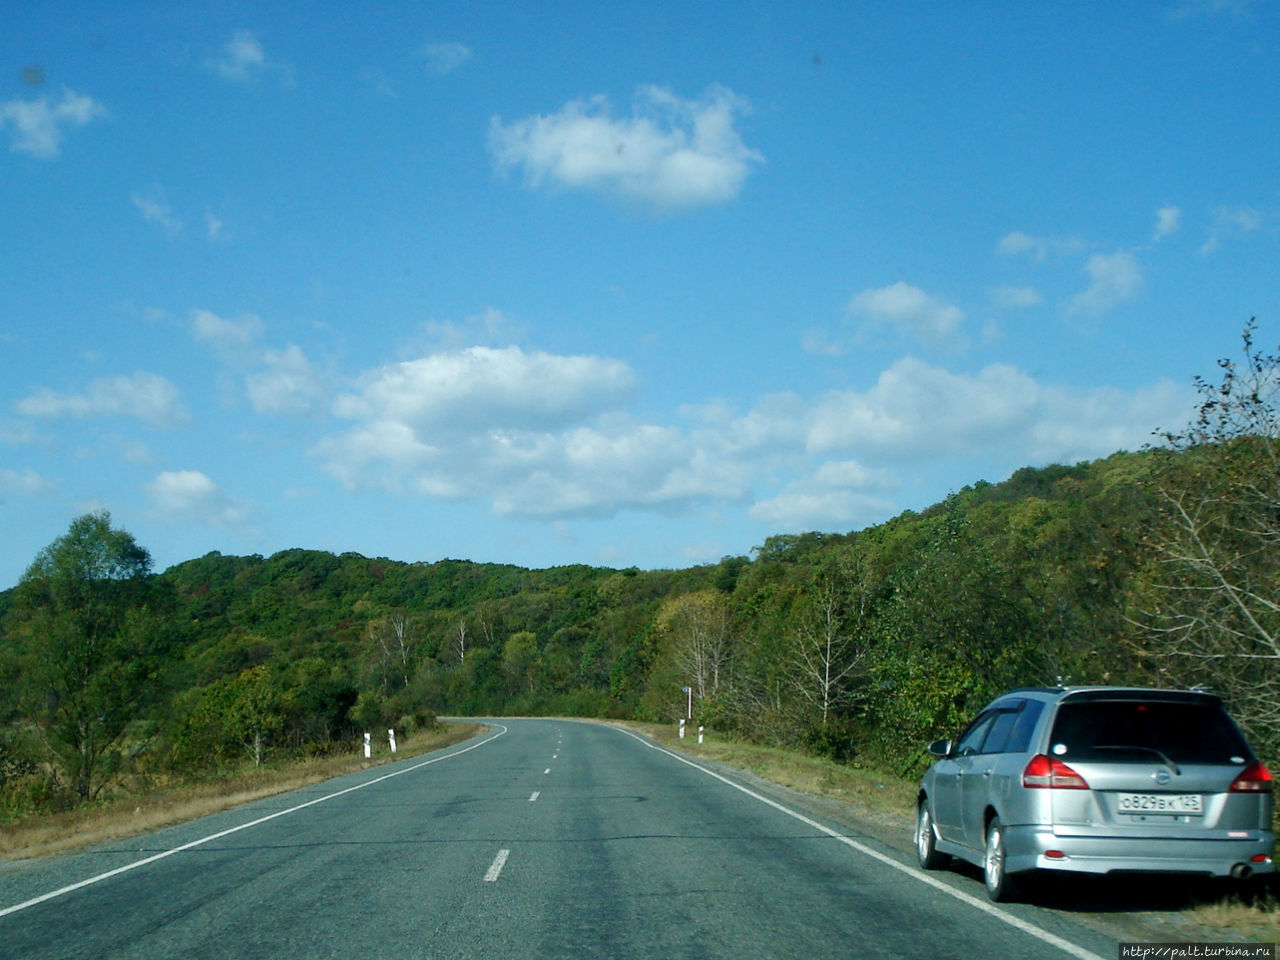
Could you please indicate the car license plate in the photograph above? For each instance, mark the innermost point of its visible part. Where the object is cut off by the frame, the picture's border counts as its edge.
(1186, 803)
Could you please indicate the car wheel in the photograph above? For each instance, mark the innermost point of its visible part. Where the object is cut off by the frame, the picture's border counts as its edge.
(1001, 887)
(927, 841)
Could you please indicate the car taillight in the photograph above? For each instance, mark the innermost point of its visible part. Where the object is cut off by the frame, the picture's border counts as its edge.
(1255, 778)
(1042, 771)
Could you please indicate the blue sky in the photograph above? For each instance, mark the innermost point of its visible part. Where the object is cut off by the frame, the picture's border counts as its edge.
(617, 284)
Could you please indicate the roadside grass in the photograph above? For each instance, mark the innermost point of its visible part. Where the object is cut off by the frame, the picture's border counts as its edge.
(1255, 914)
(868, 791)
(127, 815)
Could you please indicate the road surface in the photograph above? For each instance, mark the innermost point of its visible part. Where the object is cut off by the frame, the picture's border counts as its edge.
(540, 838)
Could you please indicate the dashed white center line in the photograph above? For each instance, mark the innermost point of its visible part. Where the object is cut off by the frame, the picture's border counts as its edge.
(548, 770)
(495, 868)
(535, 796)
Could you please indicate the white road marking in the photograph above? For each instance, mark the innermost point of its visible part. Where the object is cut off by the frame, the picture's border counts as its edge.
(62, 891)
(535, 796)
(1044, 936)
(495, 868)
(546, 771)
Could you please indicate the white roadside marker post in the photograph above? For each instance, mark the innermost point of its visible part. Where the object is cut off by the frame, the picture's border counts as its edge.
(368, 746)
(391, 735)
(682, 728)
(700, 734)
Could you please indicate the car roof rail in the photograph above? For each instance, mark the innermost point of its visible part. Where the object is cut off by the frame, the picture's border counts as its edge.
(1033, 690)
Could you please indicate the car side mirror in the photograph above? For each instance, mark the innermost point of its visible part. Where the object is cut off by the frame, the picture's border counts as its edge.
(940, 748)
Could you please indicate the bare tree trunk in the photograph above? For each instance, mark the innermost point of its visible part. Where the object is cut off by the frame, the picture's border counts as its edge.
(460, 639)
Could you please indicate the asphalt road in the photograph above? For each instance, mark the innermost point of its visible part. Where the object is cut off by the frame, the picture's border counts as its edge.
(542, 838)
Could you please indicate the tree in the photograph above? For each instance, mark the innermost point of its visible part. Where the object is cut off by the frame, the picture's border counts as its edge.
(82, 615)
(702, 646)
(254, 710)
(519, 657)
(1212, 610)
(824, 656)
(244, 712)
(394, 640)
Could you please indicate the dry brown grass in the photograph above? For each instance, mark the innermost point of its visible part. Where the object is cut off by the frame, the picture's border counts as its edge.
(131, 815)
(1256, 917)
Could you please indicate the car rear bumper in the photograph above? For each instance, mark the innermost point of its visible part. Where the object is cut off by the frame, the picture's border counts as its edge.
(1037, 847)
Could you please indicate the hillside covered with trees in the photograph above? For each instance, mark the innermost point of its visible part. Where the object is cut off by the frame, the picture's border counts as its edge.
(1155, 567)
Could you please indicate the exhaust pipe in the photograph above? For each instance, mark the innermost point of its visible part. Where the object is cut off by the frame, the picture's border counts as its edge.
(1241, 871)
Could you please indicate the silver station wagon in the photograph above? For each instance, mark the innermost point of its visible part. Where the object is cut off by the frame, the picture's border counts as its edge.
(1096, 780)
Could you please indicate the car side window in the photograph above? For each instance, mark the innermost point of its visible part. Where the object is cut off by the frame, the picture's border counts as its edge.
(971, 740)
(998, 737)
(1024, 726)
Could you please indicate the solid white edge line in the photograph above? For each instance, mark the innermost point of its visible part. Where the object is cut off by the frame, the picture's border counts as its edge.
(62, 891)
(1045, 936)
(495, 868)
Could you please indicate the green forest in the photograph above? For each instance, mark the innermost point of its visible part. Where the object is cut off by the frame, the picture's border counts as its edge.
(1155, 567)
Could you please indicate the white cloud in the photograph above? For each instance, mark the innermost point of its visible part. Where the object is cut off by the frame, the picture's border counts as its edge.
(836, 474)
(155, 211)
(288, 384)
(1228, 221)
(487, 388)
(26, 484)
(1113, 279)
(911, 312)
(444, 58)
(916, 407)
(1039, 248)
(212, 226)
(242, 60)
(833, 497)
(131, 450)
(821, 344)
(798, 509)
(275, 381)
(143, 396)
(600, 469)
(533, 433)
(191, 495)
(16, 432)
(38, 127)
(549, 437)
(1009, 297)
(1082, 424)
(917, 412)
(1168, 219)
(232, 340)
(671, 154)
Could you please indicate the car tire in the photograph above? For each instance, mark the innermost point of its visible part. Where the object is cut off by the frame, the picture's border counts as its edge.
(927, 841)
(1001, 887)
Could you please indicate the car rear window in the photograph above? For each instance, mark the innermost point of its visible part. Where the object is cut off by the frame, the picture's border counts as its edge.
(1125, 731)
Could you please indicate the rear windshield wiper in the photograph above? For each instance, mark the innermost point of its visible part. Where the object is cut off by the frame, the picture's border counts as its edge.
(1159, 753)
